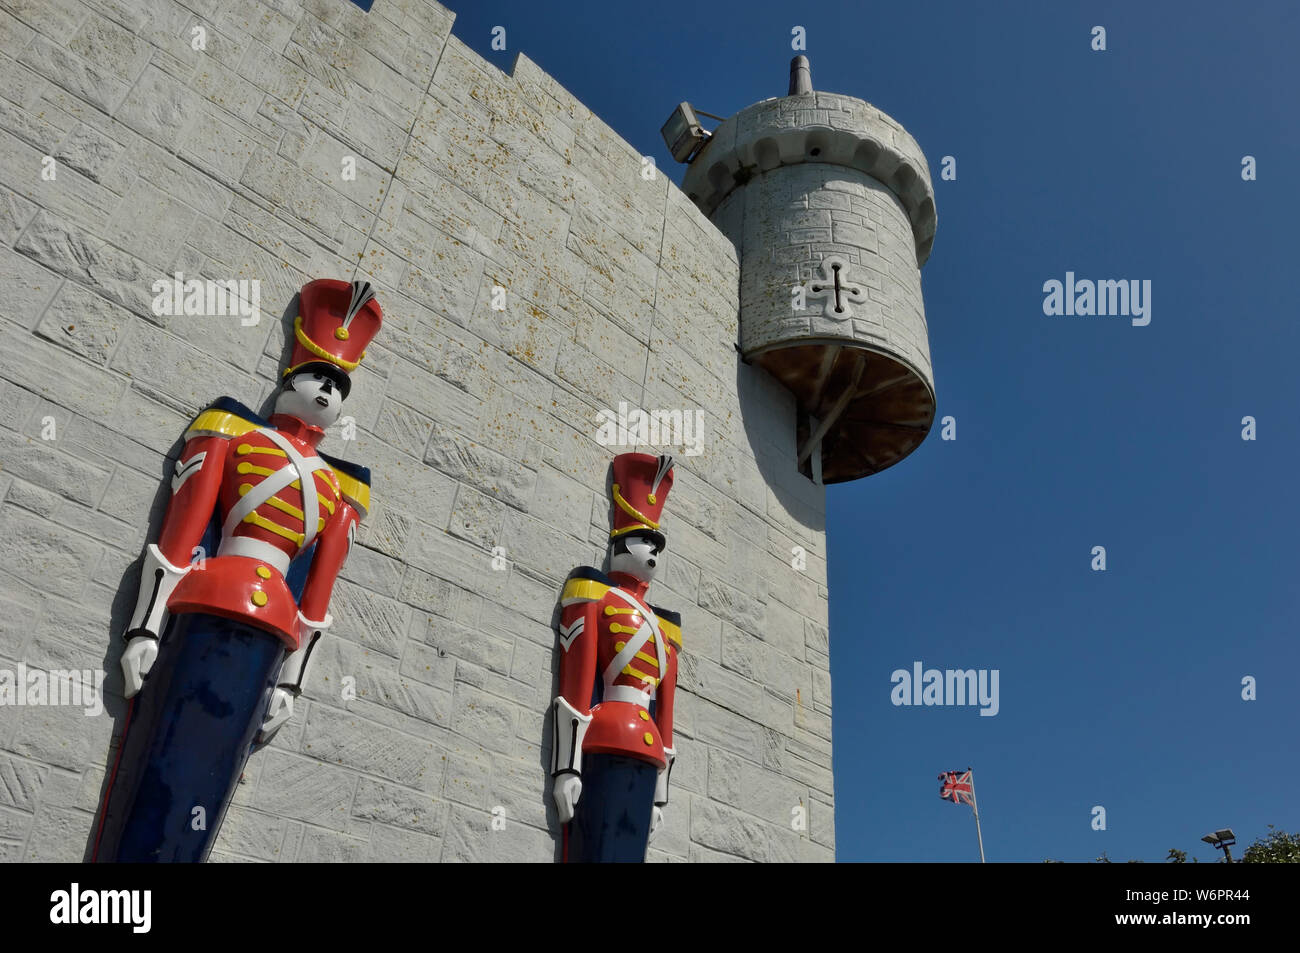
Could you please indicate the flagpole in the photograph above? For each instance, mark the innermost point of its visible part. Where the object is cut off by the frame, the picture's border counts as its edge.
(974, 803)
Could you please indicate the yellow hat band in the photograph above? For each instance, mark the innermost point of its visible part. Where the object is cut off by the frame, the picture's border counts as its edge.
(629, 529)
(644, 522)
(314, 348)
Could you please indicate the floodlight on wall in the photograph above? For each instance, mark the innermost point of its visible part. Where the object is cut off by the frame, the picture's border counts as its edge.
(683, 133)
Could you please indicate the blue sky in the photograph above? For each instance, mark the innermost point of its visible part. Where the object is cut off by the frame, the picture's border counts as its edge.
(1119, 688)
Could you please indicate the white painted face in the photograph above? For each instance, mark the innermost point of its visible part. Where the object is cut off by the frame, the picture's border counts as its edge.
(315, 399)
(641, 560)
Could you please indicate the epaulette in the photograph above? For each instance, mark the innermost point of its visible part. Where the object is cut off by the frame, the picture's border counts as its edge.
(671, 624)
(585, 585)
(224, 417)
(354, 482)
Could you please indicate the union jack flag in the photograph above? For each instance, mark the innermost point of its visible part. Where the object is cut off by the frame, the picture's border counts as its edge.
(957, 787)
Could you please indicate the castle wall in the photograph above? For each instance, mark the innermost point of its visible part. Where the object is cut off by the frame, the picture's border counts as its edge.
(480, 426)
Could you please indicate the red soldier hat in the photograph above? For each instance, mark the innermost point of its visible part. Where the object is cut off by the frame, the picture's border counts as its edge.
(640, 488)
(335, 322)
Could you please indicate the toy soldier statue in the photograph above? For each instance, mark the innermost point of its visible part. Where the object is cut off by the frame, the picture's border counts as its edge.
(613, 719)
(218, 645)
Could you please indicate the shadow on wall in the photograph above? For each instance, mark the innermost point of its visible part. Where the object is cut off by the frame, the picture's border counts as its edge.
(770, 419)
(129, 585)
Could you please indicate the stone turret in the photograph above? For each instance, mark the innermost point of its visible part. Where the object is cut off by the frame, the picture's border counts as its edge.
(830, 206)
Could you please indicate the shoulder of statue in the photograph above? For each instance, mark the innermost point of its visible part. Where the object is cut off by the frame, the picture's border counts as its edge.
(589, 572)
(224, 417)
(353, 481)
(346, 468)
(665, 615)
(670, 623)
(586, 584)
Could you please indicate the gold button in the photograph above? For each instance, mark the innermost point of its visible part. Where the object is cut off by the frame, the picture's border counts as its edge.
(264, 572)
(609, 610)
(244, 488)
(258, 598)
(243, 448)
(645, 715)
(244, 468)
(618, 646)
(341, 333)
(648, 738)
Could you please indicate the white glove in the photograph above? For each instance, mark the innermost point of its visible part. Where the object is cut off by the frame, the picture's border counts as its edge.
(568, 788)
(279, 711)
(656, 821)
(141, 652)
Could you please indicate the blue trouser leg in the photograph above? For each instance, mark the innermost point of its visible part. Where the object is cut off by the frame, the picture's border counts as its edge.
(190, 733)
(611, 823)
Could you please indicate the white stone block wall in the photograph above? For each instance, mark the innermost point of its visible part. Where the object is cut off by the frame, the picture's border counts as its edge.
(479, 426)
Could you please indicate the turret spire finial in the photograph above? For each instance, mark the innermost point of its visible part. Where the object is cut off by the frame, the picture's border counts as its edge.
(800, 76)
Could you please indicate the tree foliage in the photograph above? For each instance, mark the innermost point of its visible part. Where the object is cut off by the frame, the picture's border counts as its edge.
(1276, 847)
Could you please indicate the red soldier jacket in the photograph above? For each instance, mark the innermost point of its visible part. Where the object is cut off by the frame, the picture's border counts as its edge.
(259, 494)
(619, 665)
